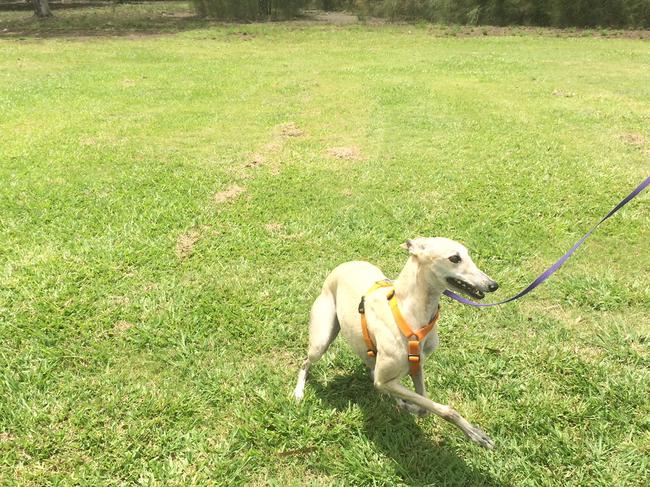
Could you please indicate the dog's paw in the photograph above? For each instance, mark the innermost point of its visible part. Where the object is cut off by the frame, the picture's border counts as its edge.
(478, 436)
(298, 394)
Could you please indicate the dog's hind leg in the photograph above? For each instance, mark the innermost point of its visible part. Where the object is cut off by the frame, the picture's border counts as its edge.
(323, 329)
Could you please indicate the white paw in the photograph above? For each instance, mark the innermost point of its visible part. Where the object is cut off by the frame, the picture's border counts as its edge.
(298, 394)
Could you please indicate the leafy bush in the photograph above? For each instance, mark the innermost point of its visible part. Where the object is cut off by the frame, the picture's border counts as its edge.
(559, 13)
(335, 4)
(248, 9)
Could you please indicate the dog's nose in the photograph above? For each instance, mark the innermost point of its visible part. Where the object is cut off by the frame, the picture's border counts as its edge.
(493, 286)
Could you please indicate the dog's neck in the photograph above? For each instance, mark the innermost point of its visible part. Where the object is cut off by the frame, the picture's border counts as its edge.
(417, 293)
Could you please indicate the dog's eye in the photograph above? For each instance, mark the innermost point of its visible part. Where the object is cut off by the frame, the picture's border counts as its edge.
(455, 258)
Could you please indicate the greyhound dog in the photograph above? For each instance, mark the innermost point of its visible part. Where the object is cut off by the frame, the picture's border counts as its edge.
(433, 265)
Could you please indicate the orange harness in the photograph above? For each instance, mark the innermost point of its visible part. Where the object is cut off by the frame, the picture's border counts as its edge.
(414, 337)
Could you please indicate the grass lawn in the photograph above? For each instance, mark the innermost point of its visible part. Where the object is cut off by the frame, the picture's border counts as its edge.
(170, 204)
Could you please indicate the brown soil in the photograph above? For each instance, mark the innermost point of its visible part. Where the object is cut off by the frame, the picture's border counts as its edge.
(229, 194)
(290, 129)
(185, 244)
(351, 153)
(633, 139)
(256, 160)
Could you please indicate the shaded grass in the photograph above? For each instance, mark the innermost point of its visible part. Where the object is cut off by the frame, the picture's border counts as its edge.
(113, 151)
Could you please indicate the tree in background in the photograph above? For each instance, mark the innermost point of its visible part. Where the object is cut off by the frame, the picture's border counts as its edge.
(41, 8)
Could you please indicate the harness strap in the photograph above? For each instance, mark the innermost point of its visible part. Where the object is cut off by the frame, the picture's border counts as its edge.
(372, 350)
(414, 337)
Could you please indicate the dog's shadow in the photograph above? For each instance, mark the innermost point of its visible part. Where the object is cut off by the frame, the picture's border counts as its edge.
(418, 460)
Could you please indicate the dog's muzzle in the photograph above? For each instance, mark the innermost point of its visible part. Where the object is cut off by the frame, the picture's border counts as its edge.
(466, 288)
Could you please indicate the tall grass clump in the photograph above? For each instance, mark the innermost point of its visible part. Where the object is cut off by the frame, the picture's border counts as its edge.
(248, 9)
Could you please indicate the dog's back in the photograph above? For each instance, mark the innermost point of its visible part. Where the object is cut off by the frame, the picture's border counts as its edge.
(347, 283)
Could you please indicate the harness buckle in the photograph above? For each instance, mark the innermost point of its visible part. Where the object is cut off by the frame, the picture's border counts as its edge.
(414, 351)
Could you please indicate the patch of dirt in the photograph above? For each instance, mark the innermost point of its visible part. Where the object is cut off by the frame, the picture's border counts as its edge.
(273, 146)
(347, 192)
(565, 94)
(633, 139)
(351, 153)
(122, 326)
(243, 35)
(290, 129)
(185, 244)
(126, 82)
(256, 160)
(4, 436)
(229, 194)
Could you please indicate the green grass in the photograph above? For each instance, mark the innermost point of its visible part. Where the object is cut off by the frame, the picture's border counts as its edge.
(150, 334)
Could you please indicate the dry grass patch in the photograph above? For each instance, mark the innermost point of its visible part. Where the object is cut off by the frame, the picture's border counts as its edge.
(290, 129)
(274, 227)
(634, 139)
(88, 141)
(273, 146)
(587, 353)
(122, 326)
(4, 436)
(256, 160)
(228, 194)
(185, 244)
(564, 94)
(352, 153)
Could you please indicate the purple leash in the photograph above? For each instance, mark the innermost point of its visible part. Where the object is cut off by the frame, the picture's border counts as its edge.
(551, 270)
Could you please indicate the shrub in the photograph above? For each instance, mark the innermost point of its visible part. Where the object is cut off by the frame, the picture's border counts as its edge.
(248, 9)
(559, 13)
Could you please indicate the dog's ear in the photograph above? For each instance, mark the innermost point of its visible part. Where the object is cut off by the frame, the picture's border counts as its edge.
(414, 247)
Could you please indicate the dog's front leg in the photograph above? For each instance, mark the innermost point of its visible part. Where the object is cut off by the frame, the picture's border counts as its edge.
(418, 383)
(394, 388)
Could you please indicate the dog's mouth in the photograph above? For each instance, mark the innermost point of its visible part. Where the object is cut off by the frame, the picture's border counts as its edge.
(466, 288)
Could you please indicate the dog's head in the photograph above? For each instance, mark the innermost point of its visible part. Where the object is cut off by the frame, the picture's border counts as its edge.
(449, 263)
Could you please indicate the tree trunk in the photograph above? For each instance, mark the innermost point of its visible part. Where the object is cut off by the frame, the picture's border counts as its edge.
(41, 8)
